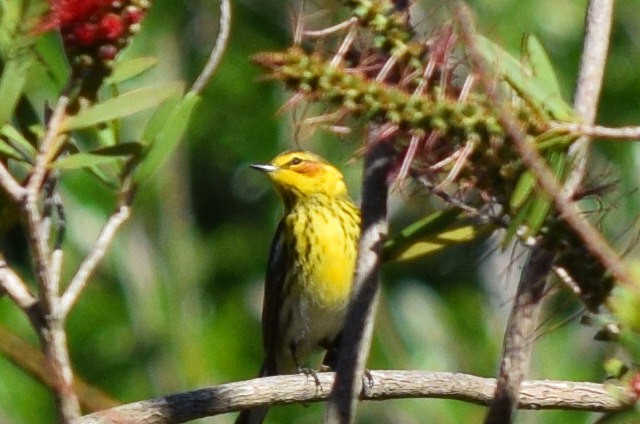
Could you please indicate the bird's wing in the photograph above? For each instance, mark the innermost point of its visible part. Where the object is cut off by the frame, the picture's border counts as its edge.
(273, 298)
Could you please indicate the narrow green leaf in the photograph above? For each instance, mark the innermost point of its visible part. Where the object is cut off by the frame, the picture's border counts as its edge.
(429, 235)
(12, 81)
(131, 68)
(7, 151)
(538, 212)
(83, 160)
(98, 156)
(121, 106)
(541, 65)
(523, 80)
(523, 189)
(159, 118)
(168, 138)
(18, 141)
(543, 201)
(515, 223)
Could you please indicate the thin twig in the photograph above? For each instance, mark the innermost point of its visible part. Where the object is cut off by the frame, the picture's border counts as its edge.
(46, 153)
(224, 29)
(620, 134)
(88, 266)
(592, 65)
(15, 288)
(10, 185)
(358, 330)
(48, 322)
(287, 389)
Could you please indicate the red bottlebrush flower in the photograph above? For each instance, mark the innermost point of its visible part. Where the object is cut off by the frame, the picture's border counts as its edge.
(111, 26)
(93, 33)
(84, 34)
(65, 13)
(133, 14)
(92, 23)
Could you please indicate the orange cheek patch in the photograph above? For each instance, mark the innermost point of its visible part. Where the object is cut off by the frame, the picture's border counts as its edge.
(309, 168)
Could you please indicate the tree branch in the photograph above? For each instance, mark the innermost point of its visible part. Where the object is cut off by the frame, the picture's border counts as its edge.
(224, 29)
(356, 336)
(88, 266)
(620, 133)
(15, 288)
(47, 320)
(287, 389)
(10, 185)
(520, 336)
(592, 64)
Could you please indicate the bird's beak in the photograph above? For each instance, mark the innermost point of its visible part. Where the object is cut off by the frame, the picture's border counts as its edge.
(264, 168)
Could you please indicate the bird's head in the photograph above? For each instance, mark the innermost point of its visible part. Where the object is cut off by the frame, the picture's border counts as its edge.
(297, 174)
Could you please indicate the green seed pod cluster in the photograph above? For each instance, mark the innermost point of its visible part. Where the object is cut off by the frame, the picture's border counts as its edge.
(493, 166)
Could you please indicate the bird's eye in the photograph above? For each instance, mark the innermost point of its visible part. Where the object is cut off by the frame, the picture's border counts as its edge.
(296, 161)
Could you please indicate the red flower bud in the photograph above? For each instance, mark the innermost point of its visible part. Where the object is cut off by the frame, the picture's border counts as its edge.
(111, 26)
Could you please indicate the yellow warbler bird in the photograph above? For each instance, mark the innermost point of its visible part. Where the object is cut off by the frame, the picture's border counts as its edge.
(311, 266)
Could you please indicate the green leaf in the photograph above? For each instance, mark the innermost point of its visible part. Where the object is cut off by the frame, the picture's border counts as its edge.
(543, 201)
(12, 81)
(429, 235)
(523, 189)
(7, 151)
(121, 106)
(98, 156)
(533, 209)
(159, 118)
(168, 138)
(514, 224)
(128, 69)
(524, 81)
(18, 142)
(541, 65)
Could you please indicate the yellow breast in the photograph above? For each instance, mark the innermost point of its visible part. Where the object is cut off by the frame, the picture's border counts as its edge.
(327, 252)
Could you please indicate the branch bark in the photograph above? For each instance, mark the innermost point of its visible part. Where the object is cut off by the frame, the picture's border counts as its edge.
(520, 336)
(356, 336)
(592, 65)
(88, 266)
(224, 29)
(287, 389)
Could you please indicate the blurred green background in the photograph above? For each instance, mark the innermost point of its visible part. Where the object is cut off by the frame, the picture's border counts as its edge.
(176, 304)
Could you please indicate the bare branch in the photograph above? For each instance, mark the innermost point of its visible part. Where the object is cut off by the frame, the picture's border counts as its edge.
(88, 266)
(520, 336)
(224, 28)
(287, 389)
(356, 335)
(15, 288)
(47, 149)
(10, 185)
(621, 133)
(592, 64)
(47, 321)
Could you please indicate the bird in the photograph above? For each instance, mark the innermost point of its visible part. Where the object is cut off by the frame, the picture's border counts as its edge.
(310, 269)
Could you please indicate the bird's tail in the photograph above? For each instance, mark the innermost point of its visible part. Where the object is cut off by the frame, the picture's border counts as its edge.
(252, 416)
(256, 415)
